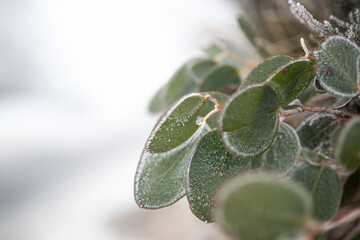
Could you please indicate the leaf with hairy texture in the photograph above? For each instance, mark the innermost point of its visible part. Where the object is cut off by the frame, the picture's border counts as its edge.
(258, 207)
(348, 148)
(315, 133)
(291, 79)
(160, 177)
(219, 77)
(338, 66)
(249, 120)
(284, 151)
(177, 125)
(262, 71)
(324, 184)
(210, 165)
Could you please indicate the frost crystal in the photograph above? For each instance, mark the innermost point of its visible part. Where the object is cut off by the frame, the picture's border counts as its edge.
(351, 28)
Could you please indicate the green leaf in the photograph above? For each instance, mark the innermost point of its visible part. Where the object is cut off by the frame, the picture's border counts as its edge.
(226, 53)
(249, 120)
(348, 149)
(219, 77)
(262, 71)
(324, 185)
(209, 106)
(341, 102)
(177, 125)
(291, 79)
(258, 207)
(210, 165)
(284, 151)
(180, 83)
(338, 66)
(198, 68)
(160, 177)
(351, 187)
(315, 133)
(312, 157)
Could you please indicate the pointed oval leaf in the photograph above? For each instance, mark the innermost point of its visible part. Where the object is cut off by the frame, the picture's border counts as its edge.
(284, 151)
(338, 66)
(264, 69)
(160, 177)
(219, 77)
(258, 207)
(291, 79)
(177, 125)
(324, 185)
(348, 148)
(315, 133)
(210, 165)
(249, 120)
(209, 106)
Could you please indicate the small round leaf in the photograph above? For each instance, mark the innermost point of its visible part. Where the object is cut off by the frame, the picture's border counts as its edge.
(249, 120)
(324, 185)
(258, 207)
(348, 148)
(210, 165)
(338, 66)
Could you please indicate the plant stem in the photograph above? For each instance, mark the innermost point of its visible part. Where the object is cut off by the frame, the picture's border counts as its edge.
(308, 108)
(324, 227)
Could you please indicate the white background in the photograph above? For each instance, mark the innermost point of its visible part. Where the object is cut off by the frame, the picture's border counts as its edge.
(75, 80)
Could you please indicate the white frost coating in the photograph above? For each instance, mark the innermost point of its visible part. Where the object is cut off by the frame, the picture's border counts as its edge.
(284, 151)
(330, 86)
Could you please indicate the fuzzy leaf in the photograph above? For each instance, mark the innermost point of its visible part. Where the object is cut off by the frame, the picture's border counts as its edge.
(315, 133)
(284, 151)
(258, 207)
(262, 71)
(338, 66)
(160, 177)
(291, 79)
(348, 149)
(220, 76)
(249, 120)
(177, 125)
(324, 185)
(210, 165)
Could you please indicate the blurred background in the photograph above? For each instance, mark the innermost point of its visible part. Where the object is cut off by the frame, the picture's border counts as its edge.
(76, 77)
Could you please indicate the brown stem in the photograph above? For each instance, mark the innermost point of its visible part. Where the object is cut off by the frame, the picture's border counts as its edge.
(308, 108)
(324, 227)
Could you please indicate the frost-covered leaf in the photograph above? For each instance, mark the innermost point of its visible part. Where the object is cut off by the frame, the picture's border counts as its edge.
(338, 66)
(258, 207)
(210, 165)
(160, 177)
(315, 133)
(249, 120)
(284, 151)
(348, 148)
(209, 106)
(197, 69)
(219, 77)
(262, 71)
(324, 185)
(177, 125)
(291, 79)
